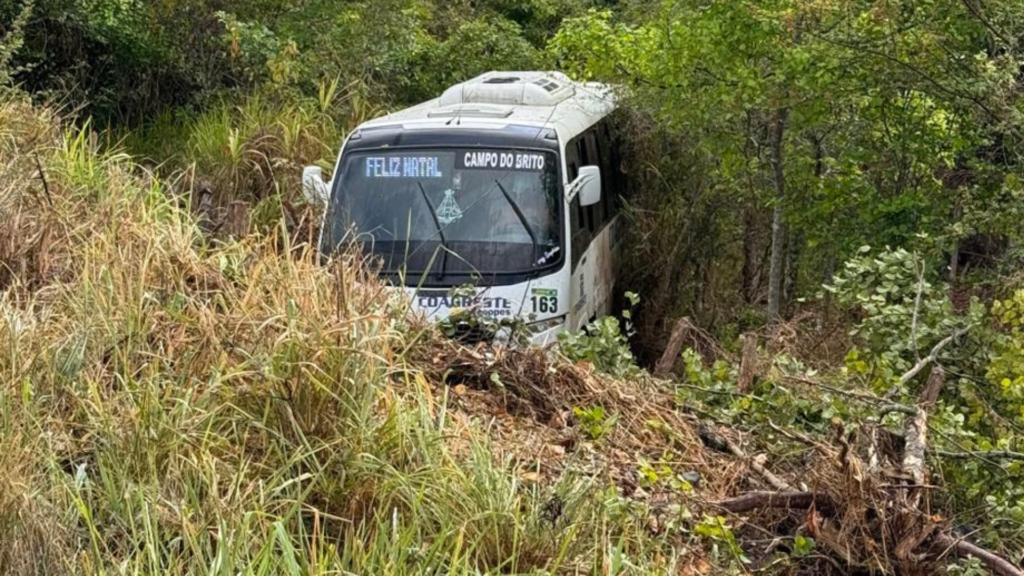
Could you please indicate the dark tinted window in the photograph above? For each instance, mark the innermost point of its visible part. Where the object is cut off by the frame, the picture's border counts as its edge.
(596, 211)
(578, 228)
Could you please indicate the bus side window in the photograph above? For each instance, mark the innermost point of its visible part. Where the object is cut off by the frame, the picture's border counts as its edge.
(595, 213)
(618, 179)
(609, 190)
(578, 229)
(582, 150)
(578, 157)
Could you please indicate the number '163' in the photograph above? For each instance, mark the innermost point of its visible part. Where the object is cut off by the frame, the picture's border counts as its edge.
(545, 304)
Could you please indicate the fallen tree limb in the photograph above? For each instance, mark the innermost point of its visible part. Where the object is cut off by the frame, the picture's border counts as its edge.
(981, 454)
(789, 499)
(995, 563)
(852, 508)
(758, 467)
(798, 500)
(916, 431)
(803, 439)
(882, 403)
(722, 444)
(917, 538)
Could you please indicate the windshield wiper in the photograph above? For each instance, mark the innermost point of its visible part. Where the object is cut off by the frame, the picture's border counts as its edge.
(522, 218)
(440, 230)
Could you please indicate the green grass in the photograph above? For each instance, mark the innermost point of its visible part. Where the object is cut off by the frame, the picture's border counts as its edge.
(252, 149)
(177, 404)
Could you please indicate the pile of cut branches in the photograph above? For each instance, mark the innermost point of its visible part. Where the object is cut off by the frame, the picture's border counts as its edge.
(865, 498)
(868, 502)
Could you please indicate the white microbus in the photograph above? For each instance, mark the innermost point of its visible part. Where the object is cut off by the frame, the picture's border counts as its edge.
(508, 182)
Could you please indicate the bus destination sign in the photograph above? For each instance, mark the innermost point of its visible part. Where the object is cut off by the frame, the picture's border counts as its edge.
(499, 160)
(418, 166)
(425, 166)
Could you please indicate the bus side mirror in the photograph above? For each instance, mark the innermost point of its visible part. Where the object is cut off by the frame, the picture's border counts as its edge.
(589, 183)
(315, 190)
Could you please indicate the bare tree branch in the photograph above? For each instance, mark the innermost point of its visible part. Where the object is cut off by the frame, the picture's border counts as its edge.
(883, 404)
(674, 347)
(995, 563)
(981, 454)
(791, 499)
(46, 183)
(756, 466)
(931, 357)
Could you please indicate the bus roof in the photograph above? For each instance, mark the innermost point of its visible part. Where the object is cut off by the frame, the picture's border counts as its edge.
(496, 100)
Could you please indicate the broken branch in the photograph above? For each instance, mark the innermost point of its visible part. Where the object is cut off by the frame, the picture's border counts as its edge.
(748, 363)
(883, 404)
(42, 178)
(789, 499)
(931, 357)
(995, 563)
(916, 432)
(981, 454)
(718, 442)
(673, 349)
(775, 481)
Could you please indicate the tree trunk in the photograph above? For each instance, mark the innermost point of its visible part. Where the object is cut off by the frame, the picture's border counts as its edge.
(750, 256)
(775, 273)
(794, 246)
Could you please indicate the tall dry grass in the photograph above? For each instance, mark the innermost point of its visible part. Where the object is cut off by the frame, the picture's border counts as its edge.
(171, 403)
(240, 160)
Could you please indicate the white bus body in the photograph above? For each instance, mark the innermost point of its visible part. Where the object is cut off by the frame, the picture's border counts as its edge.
(509, 182)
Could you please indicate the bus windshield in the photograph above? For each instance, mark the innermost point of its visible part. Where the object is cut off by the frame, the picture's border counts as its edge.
(450, 212)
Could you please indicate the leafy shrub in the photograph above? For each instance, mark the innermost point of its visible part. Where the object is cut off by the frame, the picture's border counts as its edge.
(903, 312)
(596, 423)
(474, 47)
(604, 343)
(967, 567)
(11, 41)
(124, 60)
(982, 407)
(1006, 370)
(119, 59)
(717, 530)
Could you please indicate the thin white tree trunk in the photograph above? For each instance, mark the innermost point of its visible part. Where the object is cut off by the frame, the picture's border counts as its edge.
(775, 272)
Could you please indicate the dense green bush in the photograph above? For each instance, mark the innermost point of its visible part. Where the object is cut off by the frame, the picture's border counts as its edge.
(118, 59)
(804, 131)
(125, 60)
